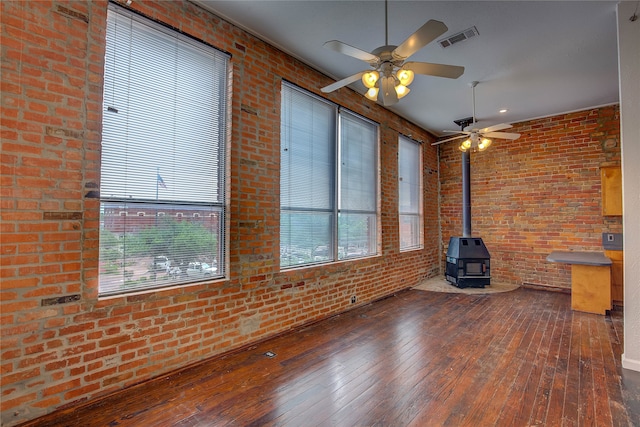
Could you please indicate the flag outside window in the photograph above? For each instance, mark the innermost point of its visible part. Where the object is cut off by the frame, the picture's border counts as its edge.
(161, 182)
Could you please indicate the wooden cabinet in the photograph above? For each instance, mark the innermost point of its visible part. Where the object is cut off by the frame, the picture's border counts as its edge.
(590, 279)
(591, 288)
(611, 177)
(617, 276)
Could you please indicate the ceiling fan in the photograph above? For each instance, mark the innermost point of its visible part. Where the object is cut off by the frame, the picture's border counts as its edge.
(391, 74)
(477, 139)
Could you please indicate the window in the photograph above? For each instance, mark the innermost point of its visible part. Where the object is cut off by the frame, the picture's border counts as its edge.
(328, 182)
(410, 193)
(163, 152)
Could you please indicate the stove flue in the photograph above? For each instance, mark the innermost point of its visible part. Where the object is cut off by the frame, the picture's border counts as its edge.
(468, 259)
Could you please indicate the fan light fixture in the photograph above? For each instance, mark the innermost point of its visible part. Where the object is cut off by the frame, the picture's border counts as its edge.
(475, 143)
(391, 75)
(477, 139)
(401, 79)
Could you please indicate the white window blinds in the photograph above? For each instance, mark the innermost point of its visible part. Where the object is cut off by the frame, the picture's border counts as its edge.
(410, 193)
(163, 144)
(307, 178)
(357, 223)
(328, 181)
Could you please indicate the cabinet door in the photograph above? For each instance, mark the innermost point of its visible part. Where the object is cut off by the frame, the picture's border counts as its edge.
(591, 288)
(617, 275)
(611, 177)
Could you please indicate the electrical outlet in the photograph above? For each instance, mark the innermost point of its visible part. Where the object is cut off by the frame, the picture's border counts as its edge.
(354, 299)
(612, 241)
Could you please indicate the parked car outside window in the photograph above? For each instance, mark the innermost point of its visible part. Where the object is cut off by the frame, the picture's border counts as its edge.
(199, 270)
(161, 263)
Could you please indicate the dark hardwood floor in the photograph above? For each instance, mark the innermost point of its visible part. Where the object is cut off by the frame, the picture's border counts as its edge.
(417, 358)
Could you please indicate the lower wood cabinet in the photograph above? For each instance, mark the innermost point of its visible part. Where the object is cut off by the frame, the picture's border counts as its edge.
(591, 288)
(617, 276)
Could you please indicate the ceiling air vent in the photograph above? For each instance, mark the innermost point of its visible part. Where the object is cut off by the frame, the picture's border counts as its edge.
(458, 37)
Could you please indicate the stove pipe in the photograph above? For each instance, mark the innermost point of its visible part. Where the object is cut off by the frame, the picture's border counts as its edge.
(468, 260)
(466, 194)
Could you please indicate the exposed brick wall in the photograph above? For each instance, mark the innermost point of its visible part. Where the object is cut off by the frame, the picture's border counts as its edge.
(536, 194)
(56, 353)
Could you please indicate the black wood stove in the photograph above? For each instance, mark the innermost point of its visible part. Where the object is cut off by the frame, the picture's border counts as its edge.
(468, 260)
(468, 263)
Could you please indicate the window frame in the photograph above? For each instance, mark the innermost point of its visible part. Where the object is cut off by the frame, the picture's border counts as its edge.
(211, 205)
(336, 253)
(418, 213)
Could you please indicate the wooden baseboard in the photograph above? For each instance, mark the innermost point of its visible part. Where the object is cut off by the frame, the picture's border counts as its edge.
(548, 288)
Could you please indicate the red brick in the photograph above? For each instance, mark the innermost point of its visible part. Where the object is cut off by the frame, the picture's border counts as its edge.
(19, 376)
(51, 402)
(86, 390)
(8, 307)
(9, 404)
(38, 360)
(87, 357)
(100, 374)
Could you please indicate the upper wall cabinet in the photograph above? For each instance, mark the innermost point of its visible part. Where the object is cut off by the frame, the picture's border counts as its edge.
(611, 190)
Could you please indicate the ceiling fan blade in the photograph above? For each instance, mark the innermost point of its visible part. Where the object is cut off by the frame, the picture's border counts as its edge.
(388, 91)
(449, 139)
(422, 37)
(346, 49)
(438, 70)
(344, 82)
(457, 131)
(494, 128)
(474, 126)
(504, 135)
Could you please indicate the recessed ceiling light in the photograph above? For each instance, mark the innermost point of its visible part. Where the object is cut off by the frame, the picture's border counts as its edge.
(504, 110)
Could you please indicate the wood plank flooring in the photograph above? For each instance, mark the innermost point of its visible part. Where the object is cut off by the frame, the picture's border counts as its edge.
(417, 358)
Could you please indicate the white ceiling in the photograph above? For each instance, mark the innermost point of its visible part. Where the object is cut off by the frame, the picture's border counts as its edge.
(535, 58)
